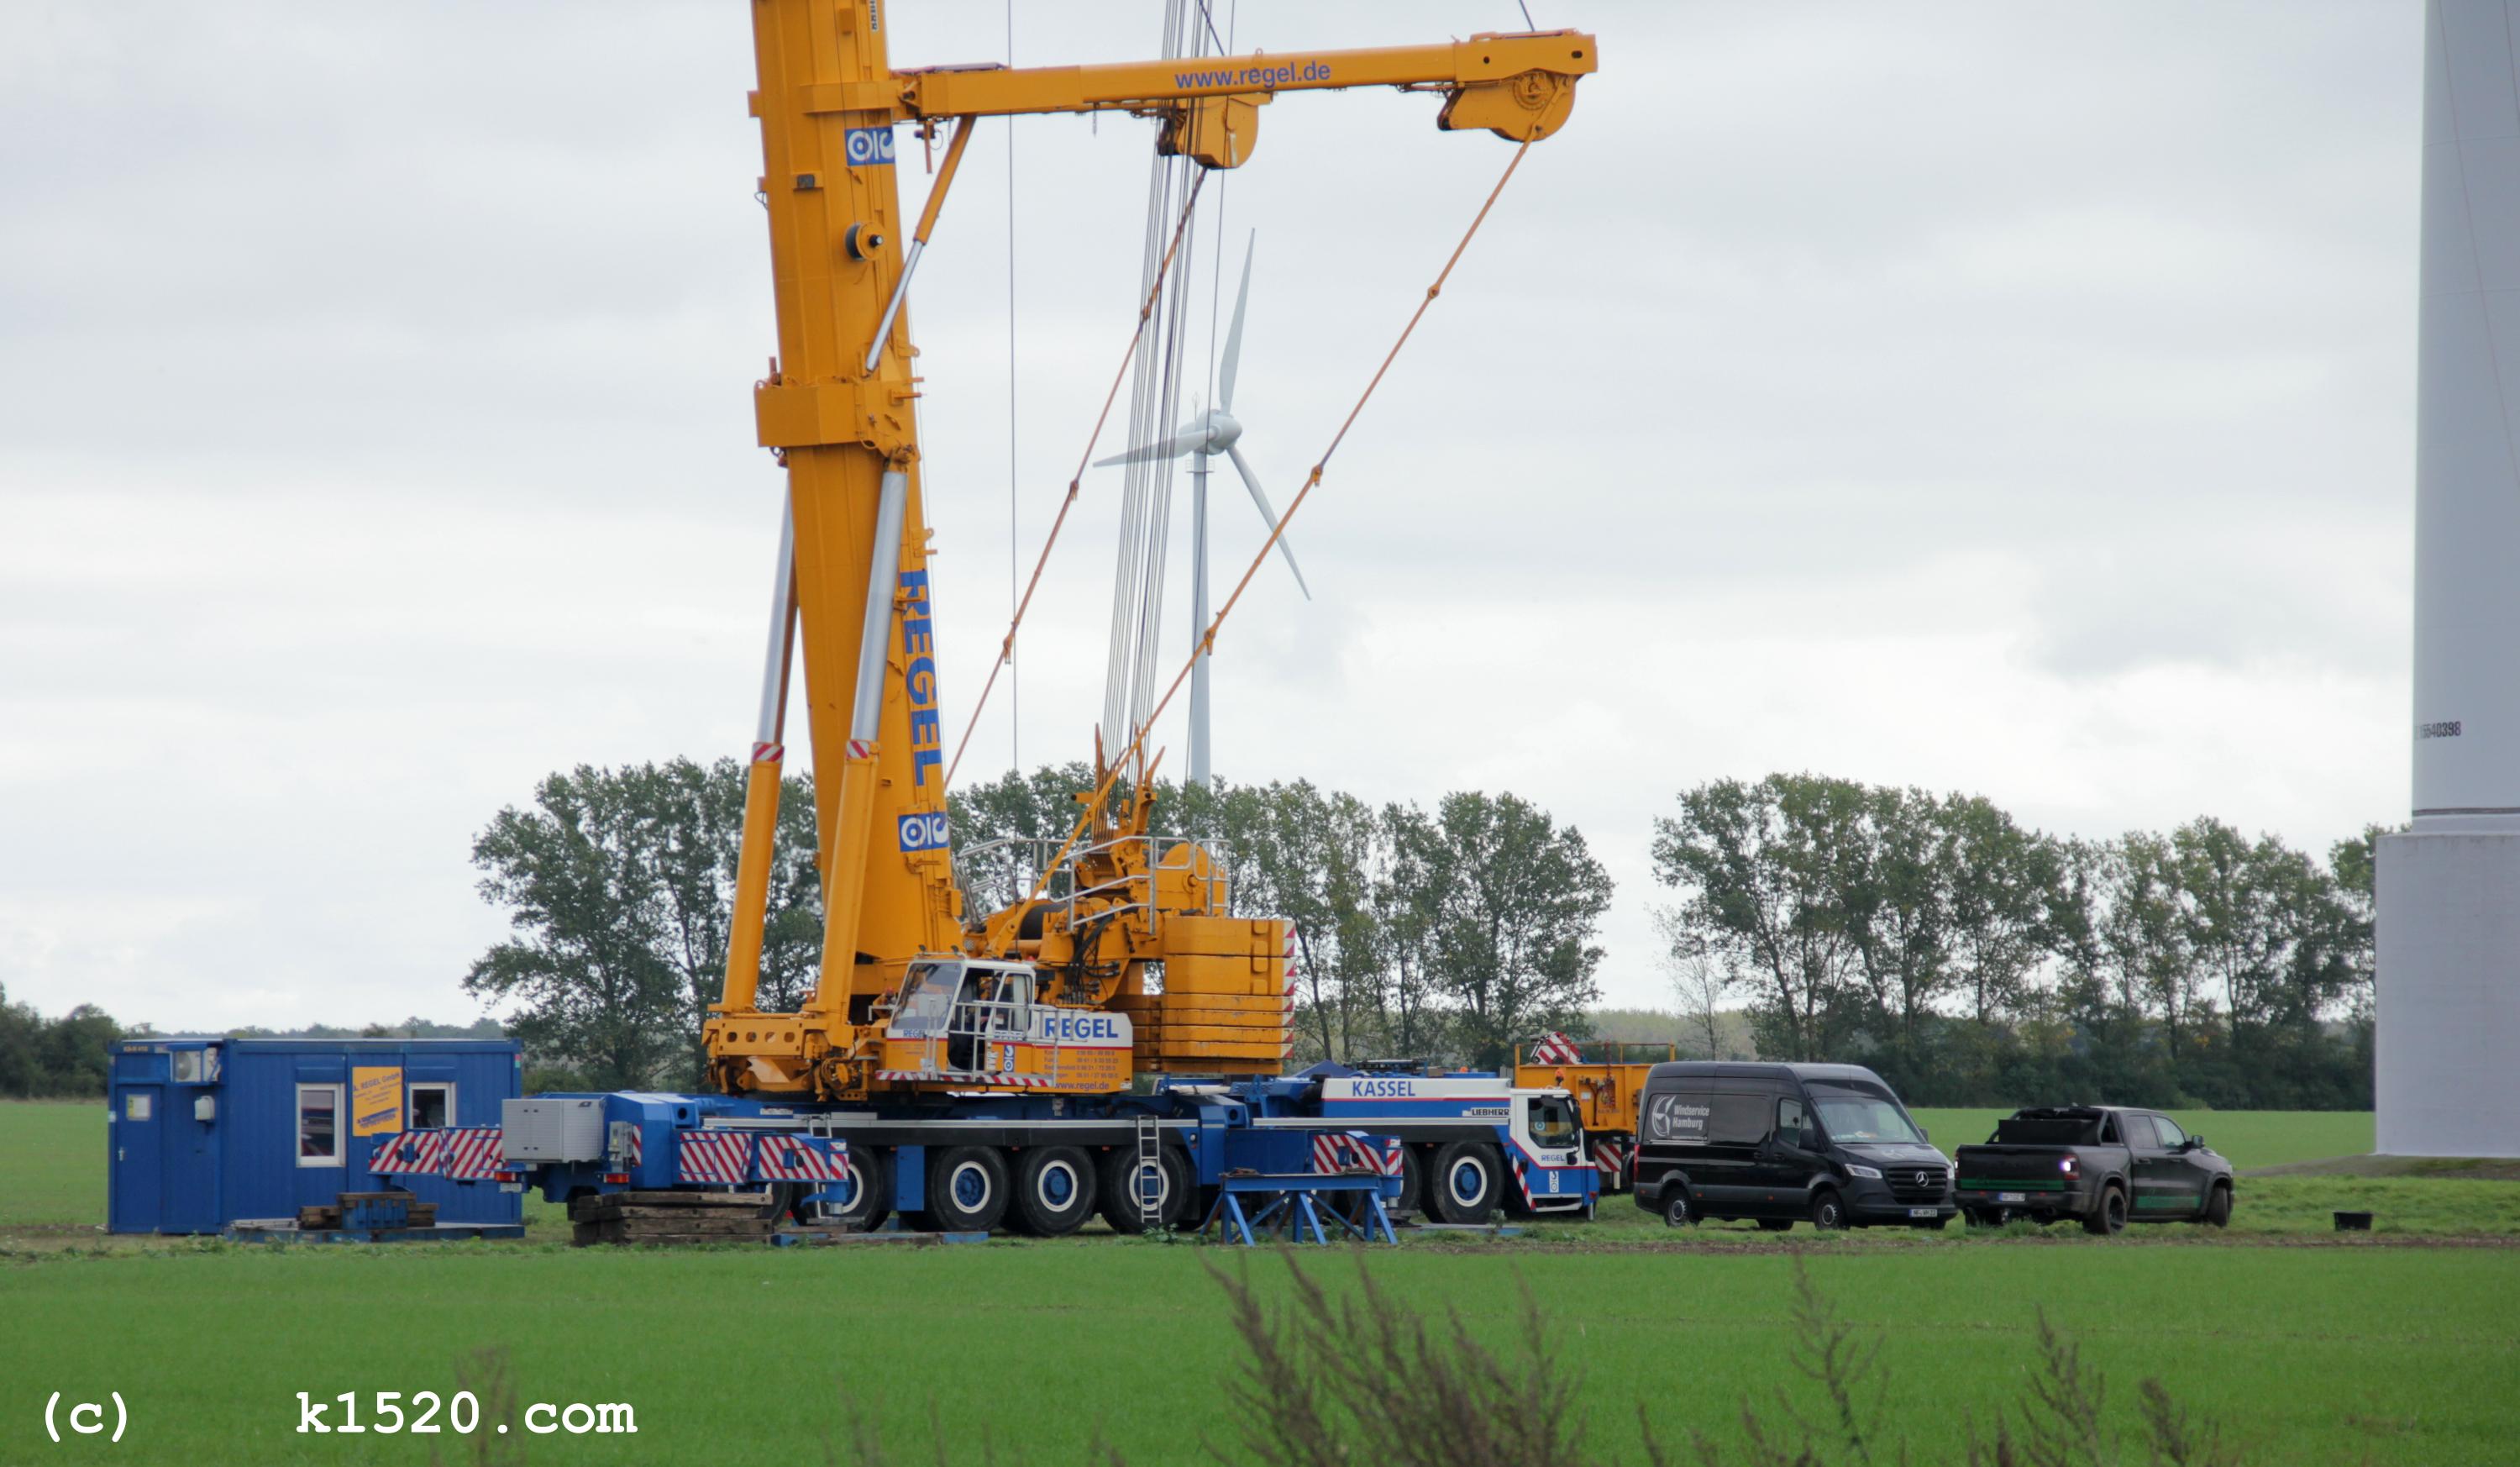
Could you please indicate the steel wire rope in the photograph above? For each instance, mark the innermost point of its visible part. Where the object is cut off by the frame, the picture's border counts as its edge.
(1074, 484)
(1207, 642)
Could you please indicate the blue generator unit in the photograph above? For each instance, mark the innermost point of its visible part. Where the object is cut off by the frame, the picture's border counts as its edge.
(205, 1132)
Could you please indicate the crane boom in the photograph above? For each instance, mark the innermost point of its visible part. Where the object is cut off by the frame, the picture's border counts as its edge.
(838, 406)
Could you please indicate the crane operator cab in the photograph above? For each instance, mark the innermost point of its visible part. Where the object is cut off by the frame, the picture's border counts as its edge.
(976, 1024)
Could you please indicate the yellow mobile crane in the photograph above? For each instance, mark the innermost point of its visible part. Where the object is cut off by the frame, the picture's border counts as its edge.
(915, 995)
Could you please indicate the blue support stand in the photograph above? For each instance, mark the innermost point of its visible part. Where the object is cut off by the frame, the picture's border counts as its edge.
(1293, 1202)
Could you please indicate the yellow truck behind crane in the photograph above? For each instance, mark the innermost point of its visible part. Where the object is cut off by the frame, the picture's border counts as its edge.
(1606, 1077)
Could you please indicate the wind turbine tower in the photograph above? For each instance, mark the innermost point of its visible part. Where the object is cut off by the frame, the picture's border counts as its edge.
(1213, 432)
(2449, 939)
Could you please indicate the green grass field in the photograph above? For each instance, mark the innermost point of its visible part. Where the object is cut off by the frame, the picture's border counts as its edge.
(2313, 1348)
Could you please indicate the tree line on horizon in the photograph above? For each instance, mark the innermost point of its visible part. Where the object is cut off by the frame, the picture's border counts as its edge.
(1971, 961)
(1968, 959)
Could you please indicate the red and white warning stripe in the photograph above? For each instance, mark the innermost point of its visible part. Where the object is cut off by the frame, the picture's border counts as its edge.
(474, 1153)
(802, 1159)
(412, 1153)
(970, 1082)
(1335, 1152)
(714, 1156)
(861, 749)
(1610, 1159)
(1555, 1049)
(769, 754)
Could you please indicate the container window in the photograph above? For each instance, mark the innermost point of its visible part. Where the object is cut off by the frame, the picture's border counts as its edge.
(431, 1106)
(136, 1106)
(188, 1067)
(319, 1128)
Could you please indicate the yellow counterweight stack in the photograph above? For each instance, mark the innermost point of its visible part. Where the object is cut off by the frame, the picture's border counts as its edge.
(1223, 1008)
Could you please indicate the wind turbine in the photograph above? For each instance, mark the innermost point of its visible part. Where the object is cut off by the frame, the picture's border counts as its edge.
(1213, 432)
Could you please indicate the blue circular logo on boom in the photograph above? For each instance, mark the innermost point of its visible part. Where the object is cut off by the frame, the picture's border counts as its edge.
(923, 833)
(870, 147)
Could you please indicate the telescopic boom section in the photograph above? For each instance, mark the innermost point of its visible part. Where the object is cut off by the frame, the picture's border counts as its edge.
(838, 408)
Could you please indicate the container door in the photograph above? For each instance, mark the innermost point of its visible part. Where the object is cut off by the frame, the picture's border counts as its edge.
(138, 1133)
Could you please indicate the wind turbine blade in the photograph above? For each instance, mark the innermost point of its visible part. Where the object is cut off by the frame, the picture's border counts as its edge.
(1251, 482)
(1233, 336)
(1171, 447)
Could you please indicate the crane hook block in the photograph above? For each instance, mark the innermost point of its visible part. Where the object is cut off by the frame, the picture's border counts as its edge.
(1526, 106)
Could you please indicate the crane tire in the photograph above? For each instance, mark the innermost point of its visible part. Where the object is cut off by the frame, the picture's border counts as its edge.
(868, 1193)
(1413, 1182)
(1466, 1182)
(968, 1189)
(1055, 1188)
(1118, 1201)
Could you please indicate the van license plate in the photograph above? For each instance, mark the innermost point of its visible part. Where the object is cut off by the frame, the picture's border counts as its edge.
(1923, 1212)
(2012, 1197)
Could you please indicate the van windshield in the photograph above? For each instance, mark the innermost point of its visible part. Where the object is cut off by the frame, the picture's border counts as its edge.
(1863, 1116)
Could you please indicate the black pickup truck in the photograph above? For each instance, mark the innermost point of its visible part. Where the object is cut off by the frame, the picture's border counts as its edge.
(2100, 1164)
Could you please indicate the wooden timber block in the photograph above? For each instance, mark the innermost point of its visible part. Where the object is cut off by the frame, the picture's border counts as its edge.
(319, 1219)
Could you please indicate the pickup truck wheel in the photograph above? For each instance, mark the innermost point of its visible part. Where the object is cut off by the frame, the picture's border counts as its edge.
(2218, 1206)
(1467, 1178)
(1828, 1211)
(968, 1189)
(2110, 1216)
(1677, 1210)
(1776, 1224)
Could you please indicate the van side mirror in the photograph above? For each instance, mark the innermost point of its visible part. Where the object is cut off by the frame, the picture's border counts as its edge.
(1808, 1138)
(1922, 1134)
(2194, 1143)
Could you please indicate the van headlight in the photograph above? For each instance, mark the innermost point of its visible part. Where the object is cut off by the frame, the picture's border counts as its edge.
(1857, 1168)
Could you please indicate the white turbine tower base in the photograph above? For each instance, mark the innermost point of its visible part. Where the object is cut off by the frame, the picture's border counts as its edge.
(1213, 432)
(2449, 920)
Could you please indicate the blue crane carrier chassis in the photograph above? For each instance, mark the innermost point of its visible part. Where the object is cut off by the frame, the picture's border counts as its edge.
(1458, 1146)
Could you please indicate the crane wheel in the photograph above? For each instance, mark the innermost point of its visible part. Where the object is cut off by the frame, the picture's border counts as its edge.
(968, 1189)
(1466, 1182)
(866, 1197)
(1118, 1200)
(1413, 1182)
(1054, 1191)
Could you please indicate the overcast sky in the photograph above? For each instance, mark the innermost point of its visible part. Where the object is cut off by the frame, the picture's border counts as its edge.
(2005, 399)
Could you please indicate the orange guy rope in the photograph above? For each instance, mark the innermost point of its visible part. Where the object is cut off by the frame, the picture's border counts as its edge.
(1207, 643)
(1006, 648)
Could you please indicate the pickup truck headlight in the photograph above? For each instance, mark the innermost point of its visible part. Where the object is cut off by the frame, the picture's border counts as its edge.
(1857, 1168)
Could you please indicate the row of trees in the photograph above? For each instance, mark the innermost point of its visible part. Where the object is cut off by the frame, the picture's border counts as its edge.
(1456, 929)
(45, 1059)
(70, 1057)
(1969, 958)
(1974, 961)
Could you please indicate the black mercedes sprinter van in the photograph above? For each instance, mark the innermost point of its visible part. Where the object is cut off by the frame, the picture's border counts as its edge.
(1826, 1144)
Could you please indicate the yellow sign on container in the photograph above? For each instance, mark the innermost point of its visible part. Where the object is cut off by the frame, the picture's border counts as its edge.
(375, 1100)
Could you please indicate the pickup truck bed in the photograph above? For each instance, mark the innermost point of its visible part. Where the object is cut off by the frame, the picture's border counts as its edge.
(2103, 1166)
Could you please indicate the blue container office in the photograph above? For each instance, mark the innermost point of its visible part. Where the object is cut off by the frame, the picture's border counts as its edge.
(204, 1132)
